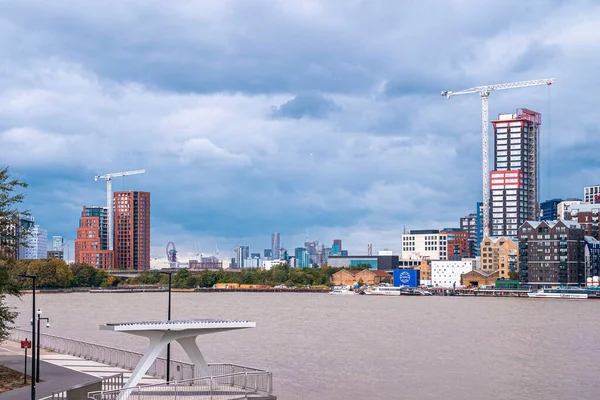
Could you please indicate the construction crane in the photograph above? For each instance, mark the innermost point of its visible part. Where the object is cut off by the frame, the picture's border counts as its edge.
(484, 92)
(109, 204)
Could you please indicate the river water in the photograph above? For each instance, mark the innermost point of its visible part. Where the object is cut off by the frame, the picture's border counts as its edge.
(368, 347)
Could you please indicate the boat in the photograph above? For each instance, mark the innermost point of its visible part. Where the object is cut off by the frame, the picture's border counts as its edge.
(559, 293)
(415, 292)
(384, 290)
(342, 291)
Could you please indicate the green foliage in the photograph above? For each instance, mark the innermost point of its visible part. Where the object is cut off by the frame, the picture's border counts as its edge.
(513, 275)
(11, 234)
(85, 275)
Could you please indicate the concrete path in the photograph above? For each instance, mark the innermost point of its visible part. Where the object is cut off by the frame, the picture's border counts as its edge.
(58, 371)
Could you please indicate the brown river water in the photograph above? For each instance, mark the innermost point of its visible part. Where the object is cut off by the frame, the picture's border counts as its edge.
(368, 347)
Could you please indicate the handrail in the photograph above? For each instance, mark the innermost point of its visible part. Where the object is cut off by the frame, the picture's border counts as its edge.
(250, 384)
(183, 372)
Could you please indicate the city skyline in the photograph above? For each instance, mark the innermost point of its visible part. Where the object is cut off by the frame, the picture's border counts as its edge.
(331, 131)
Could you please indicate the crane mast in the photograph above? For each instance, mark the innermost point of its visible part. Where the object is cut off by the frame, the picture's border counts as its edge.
(484, 92)
(109, 192)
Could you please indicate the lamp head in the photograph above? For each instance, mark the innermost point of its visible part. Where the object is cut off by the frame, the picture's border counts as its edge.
(47, 324)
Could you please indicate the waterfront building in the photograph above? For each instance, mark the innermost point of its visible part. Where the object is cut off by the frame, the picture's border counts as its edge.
(269, 264)
(446, 273)
(209, 262)
(428, 243)
(373, 277)
(424, 269)
(36, 244)
(500, 254)
(383, 263)
(563, 206)
(585, 215)
(457, 243)
(549, 209)
(514, 180)
(344, 277)
(91, 243)
(591, 194)
(132, 230)
(275, 246)
(477, 278)
(473, 224)
(592, 257)
(551, 253)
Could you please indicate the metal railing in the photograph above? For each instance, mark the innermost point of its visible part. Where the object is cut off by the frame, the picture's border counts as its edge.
(107, 355)
(253, 380)
(235, 385)
(109, 383)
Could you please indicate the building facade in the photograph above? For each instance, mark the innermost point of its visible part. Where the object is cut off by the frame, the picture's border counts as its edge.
(457, 243)
(447, 274)
(132, 230)
(585, 215)
(91, 243)
(419, 244)
(551, 253)
(563, 207)
(549, 209)
(500, 254)
(275, 245)
(591, 194)
(592, 258)
(301, 258)
(36, 247)
(58, 243)
(383, 262)
(58, 254)
(514, 180)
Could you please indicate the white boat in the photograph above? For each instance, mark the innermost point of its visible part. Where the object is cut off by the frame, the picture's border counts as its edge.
(342, 291)
(384, 290)
(560, 293)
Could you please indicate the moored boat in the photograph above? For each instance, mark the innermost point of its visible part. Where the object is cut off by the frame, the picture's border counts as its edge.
(384, 291)
(559, 293)
(342, 291)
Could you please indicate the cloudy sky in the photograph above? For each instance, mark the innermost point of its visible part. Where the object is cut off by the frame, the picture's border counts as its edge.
(304, 117)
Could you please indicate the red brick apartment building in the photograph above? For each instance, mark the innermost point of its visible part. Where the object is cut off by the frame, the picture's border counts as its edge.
(132, 230)
(131, 225)
(91, 244)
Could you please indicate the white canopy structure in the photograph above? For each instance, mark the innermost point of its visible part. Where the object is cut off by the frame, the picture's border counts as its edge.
(161, 333)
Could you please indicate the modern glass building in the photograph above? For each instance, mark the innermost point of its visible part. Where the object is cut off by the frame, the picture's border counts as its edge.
(549, 209)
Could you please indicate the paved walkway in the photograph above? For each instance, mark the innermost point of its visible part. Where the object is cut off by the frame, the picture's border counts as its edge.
(57, 371)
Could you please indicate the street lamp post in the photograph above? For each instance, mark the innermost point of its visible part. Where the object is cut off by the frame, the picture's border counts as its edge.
(170, 273)
(33, 375)
(39, 329)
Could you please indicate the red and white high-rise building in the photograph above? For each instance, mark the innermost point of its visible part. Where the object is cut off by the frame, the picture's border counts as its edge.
(514, 181)
(132, 230)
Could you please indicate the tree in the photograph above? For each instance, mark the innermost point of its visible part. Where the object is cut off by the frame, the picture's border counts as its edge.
(513, 275)
(11, 234)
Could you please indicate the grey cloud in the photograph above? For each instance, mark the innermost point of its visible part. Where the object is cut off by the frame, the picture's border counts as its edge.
(305, 106)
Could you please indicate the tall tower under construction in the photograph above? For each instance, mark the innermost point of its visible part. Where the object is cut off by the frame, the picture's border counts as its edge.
(514, 181)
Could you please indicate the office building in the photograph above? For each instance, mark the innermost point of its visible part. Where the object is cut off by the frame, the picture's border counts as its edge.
(132, 230)
(58, 254)
(242, 253)
(473, 224)
(419, 244)
(336, 248)
(275, 246)
(382, 262)
(447, 274)
(268, 254)
(591, 194)
(514, 181)
(301, 258)
(91, 244)
(549, 209)
(500, 254)
(36, 244)
(551, 253)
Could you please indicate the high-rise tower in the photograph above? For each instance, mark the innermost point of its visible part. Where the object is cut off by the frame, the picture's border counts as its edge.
(275, 246)
(132, 230)
(91, 245)
(515, 178)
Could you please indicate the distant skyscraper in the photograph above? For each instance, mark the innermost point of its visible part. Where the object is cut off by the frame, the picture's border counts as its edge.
(91, 244)
(473, 224)
(336, 249)
(275, 246)
(549, 209)
(514, 180)
(57, 243)
(268, 253)
(242, 254)
(37, 244)
(132, 230)
(301, 256)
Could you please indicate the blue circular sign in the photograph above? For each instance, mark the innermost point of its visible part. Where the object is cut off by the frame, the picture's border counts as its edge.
(404, 277)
